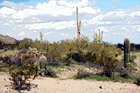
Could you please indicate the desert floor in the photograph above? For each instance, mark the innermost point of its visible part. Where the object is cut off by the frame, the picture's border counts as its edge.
(55, 85)
(67, 85)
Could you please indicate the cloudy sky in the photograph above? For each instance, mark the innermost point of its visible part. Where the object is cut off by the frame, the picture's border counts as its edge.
(56, 19)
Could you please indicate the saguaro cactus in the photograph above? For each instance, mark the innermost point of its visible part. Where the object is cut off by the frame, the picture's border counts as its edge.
(78, 25)
(126, 51)
(41, 35)
(98, 37)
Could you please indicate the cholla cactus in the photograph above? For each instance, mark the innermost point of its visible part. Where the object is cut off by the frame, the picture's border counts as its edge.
(126, 51)
(33, 51)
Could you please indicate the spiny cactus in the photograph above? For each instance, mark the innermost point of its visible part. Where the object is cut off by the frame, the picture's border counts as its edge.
(78, 25)
(98, 37)
(126, 51)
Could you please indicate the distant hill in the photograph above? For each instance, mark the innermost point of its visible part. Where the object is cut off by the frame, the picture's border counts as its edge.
(7, 39)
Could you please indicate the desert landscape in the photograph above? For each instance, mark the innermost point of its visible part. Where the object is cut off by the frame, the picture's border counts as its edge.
(69, 46)
(66, 83)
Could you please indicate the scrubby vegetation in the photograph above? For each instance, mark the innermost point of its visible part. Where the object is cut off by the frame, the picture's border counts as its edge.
(21, 68)
(34, 58)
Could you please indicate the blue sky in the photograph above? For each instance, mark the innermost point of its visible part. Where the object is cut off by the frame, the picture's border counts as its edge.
(57, 21)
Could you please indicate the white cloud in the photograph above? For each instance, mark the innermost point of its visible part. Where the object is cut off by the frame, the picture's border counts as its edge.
(63, 34)
(52, 25)
(21, 33)
(6, 24)
(60, 15)
(102, 29)
(14, 5)
(35, 31)
(131, 28)
(52, 7)
(7, 11)
(48, 33)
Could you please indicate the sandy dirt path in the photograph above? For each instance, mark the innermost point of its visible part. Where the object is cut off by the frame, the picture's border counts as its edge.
(53, 85)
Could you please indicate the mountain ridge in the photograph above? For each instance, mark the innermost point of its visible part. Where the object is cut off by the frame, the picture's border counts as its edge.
(7, 39)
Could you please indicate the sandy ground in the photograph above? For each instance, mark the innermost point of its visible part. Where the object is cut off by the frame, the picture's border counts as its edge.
(65, 85)
(54, 85)
(137, 60)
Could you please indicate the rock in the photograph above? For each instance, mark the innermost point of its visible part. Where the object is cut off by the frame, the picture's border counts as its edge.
(43, 73)
(137, 69)
(51, 73)
(101, 87)
(82, 72)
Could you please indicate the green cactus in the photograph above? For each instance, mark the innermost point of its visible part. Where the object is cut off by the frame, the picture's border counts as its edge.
(126, 51)
(98, 37)
(41, 35)
(78, 25)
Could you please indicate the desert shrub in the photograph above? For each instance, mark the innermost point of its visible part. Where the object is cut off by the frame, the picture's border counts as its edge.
(119, 52)
(50, 72)
(22, 68)
(132, 58)
(133, 47)
(20, 75)
(71, 51)
(26, 43)
(138, 81)
(126, 72)
(77, 51)
(5, 49)
(103, 55)
(107, 60)
(47, 72)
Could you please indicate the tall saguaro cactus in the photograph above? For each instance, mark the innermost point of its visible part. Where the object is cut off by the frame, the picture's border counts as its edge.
(126, 51)
(78, 25)
(41, 35)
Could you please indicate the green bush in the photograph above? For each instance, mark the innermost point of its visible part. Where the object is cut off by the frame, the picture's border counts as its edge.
(107, 59)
